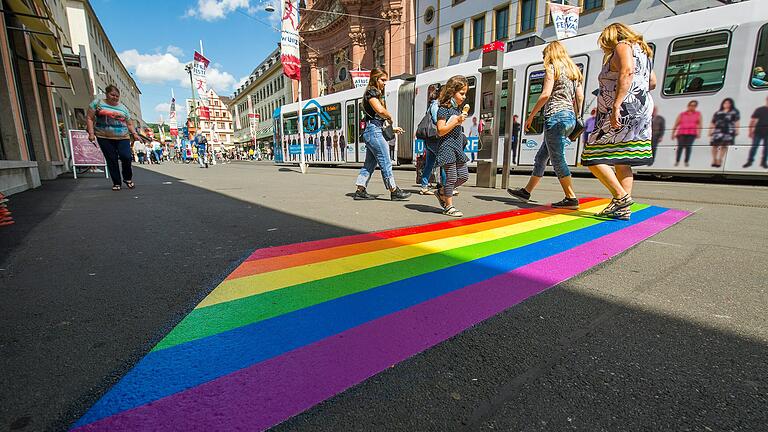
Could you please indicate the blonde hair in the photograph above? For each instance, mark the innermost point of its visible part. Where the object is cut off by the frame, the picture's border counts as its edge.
(556, 57)
(454, 84)
(616, 33)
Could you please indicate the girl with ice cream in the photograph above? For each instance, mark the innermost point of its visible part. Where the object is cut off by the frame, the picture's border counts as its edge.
(450, 153)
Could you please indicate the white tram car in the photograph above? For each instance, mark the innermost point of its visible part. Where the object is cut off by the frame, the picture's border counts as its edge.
(706, 56)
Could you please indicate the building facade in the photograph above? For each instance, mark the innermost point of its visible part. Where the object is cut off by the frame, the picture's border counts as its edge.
(44, 90)
(216, 126)
(454, 31)
(105, 66)
(254, 102)
(343, 35)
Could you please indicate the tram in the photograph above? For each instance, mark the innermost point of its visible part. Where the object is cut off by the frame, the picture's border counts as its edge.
(700, 56)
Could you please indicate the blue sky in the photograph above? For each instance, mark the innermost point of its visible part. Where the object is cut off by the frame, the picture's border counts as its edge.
(156, 38)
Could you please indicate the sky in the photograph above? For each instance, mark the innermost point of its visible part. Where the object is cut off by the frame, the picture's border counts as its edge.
(155, 39)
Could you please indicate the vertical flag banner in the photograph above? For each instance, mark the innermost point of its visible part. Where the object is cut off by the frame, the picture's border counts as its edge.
(172, 122)
(199, 66)
(289, 40)
(360, 78)
(565, 19)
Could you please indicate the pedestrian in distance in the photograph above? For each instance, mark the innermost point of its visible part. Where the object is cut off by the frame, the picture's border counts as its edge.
(758, 132)
(431, 145)
(376, 147)
(110, 126)
(141, 150)
(723, 131)
(686, 130)
(622, 135)
(561, 98)
(450, 153)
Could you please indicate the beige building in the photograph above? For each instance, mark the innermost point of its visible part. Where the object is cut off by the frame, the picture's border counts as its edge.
(257, 99)
(218, 127)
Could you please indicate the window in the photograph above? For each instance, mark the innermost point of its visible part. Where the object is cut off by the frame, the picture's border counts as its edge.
(429, 15)
(471, 94)
(591, 5)
(502, 23)
(758, 79)
(527, 16)
(334, 116)
(478, 32)
(429, 53)
(697, 64)
(457, 41)
(535, 86)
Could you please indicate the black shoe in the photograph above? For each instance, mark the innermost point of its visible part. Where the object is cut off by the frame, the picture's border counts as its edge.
(399, 195)
(363, 195)
(764, 166)
(567, 203)
(520, 193)
(747, 165)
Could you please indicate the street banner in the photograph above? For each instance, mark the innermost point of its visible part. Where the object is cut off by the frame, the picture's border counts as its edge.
(172, 122)
(565, 19)
(205, 113)
(360, 78)
(199, 67)
(289, 40)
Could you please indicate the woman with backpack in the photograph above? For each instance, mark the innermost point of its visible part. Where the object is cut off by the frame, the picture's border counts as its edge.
(376, 147)
(561, 98)
(428, 132)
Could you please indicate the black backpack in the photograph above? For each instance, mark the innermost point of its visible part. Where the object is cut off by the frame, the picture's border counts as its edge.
(426, 130)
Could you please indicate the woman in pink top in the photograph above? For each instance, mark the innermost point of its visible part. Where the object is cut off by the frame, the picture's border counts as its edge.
(687, 128)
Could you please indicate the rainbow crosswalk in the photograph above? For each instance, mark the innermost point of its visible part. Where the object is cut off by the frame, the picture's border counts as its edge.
(295, 325)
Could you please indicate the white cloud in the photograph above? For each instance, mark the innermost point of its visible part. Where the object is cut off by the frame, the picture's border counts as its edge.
(166, 68)
(176, 51)
(212, 10)
(163, 108)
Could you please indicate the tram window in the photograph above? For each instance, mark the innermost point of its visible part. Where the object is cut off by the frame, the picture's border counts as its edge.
(291, 125)
(351, 123)
(653, 50)
(334, 116)
(697, 64)
(758, 78)
(471, 94)
(535, 86)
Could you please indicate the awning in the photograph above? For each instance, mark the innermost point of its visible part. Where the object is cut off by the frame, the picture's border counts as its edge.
(265, 132)
(46, 43)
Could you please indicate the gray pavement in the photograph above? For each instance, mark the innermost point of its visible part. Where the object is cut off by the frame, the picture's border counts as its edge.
(670, 335)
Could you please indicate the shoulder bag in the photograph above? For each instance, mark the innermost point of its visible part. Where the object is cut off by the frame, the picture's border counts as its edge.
(579, 127)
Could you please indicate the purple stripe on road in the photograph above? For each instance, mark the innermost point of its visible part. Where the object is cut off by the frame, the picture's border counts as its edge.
(267, 393)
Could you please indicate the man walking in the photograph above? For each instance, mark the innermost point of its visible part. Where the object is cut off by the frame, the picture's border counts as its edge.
(202, 146)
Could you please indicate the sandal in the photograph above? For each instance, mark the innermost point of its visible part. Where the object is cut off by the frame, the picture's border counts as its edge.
(116, 187)
(130, 184)
(439, 196)
(452, 211)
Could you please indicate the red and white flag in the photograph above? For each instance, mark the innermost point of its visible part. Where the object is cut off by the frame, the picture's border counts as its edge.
(172, 121)
(289, 40)
(360, 78)
(199, 67)
(565, 19)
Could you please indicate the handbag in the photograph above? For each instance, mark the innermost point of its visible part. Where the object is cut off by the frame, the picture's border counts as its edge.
(577, 130)
(388, 132)
(426, 130)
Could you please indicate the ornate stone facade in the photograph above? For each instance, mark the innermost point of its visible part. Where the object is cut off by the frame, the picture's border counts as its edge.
(340, 37)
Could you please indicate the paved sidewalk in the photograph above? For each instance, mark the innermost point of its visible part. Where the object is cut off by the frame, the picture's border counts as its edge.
(670, 335)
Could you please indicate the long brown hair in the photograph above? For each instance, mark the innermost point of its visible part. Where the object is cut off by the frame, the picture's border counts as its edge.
(376, 73)
(618, 32)
(454, 84)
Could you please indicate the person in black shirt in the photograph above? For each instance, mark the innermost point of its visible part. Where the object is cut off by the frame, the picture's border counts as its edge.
(758, 131)
(376, 147)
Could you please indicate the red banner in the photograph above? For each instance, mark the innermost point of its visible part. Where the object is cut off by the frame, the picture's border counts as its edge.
(205, 114)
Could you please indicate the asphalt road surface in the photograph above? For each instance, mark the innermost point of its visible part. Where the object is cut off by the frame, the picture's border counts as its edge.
(670, 335)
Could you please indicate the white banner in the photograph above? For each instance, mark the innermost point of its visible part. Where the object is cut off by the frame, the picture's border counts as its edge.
(253, 120)
(289, 40)
(565, 19)
(172, 122)
(199, 67)
(360, 78)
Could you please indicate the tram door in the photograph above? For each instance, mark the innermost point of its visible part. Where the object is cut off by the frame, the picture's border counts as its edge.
(533, 138)
(355, 147)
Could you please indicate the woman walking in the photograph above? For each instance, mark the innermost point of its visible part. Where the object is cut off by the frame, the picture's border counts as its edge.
(109, 122)
(723, 130)
(561, 97)
(622, 135)
(450, 152)
(686, 130)
(431, 145)
(376, 147)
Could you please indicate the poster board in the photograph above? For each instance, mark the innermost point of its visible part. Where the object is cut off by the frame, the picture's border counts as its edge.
(84, 152)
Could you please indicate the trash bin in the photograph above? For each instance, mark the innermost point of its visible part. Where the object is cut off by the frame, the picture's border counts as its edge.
(486, 174)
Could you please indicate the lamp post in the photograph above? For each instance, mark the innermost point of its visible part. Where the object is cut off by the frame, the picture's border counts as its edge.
(188, 68)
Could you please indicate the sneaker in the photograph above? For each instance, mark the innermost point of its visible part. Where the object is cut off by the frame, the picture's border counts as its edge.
(615, 205)
(520, 193)
(567, 203)
(363, 195)
(425, 191)
(399, 195)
